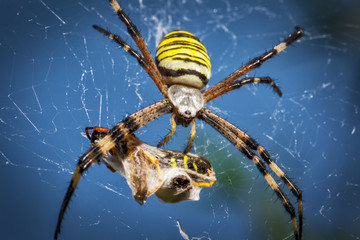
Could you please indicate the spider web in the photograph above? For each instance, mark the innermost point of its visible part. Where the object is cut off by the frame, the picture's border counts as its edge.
(59, 76)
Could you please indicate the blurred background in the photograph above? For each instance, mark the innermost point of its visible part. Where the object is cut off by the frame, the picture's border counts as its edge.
(59, 76)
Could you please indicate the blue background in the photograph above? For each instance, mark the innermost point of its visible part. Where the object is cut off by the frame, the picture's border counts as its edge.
(59, 75)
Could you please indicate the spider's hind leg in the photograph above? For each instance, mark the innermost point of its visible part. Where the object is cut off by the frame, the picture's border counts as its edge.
(247, 146)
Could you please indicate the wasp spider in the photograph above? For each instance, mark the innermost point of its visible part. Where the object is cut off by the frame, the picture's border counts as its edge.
(181, 69)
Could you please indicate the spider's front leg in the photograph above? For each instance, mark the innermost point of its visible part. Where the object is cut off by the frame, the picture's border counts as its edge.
(98, 149)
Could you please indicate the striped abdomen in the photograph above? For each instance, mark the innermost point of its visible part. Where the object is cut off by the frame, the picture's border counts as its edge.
(182, 59)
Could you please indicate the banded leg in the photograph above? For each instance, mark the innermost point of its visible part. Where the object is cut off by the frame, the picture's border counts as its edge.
(97, 134)
(256, 80)
(117, 134)
(246, 145)
(135, 34)
(126, 47)
(250, 142)
(222, 87)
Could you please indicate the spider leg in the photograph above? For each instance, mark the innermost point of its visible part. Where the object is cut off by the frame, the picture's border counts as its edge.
(192, 136)
(246, 145)
(73, 183)
(251, 143)
(171, 133)
(126, 47)
(117, 134)
(135, 34)
(222, 87)
(265, 80)
(97, 134)
(281, 174)
(173, 129)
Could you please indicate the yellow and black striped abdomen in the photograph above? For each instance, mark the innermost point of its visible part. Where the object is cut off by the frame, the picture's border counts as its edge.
(183, 59)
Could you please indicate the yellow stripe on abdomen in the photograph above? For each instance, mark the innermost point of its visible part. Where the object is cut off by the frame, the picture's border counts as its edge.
(183, 59)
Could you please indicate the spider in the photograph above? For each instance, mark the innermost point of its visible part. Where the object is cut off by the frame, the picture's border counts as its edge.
(172, 175)
(182, 68)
